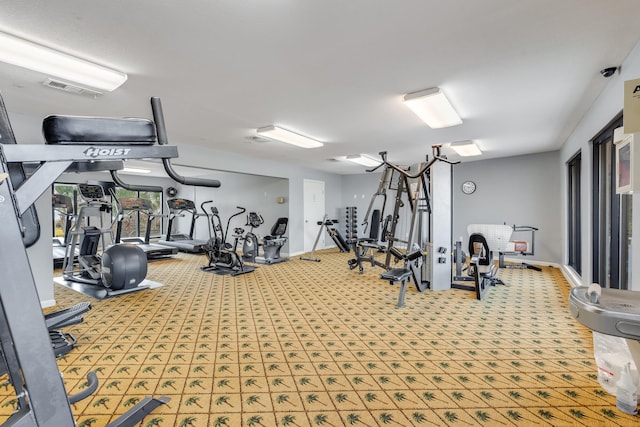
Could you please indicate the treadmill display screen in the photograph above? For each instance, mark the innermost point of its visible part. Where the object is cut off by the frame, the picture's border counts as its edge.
(91, 191)
(180, 204)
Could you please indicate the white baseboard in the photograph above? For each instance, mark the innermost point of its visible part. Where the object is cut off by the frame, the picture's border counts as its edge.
(520, 260)
(47, 303)
(572, 277)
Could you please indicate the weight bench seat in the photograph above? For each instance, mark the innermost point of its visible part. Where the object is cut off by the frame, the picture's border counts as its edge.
(396, 275)
(79, 130)
(368, 244)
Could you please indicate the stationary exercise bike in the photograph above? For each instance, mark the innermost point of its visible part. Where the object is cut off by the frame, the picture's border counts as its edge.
(223, 257)
(251, 244)
(271, 244)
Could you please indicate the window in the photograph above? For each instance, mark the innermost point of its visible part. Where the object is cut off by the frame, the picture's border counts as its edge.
(134, 223)
(574, 166)
(611, 215)
(62, 215)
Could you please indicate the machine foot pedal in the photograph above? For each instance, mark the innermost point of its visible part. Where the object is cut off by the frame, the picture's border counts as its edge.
(143, 408)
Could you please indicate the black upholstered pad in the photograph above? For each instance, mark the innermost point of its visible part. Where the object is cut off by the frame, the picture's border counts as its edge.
(396, 274)
(98, 130)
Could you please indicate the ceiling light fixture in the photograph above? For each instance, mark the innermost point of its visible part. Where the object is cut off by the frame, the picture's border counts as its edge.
(283, 135)
(433, 108)
(364, 160)
(466, 148)
(26, 54)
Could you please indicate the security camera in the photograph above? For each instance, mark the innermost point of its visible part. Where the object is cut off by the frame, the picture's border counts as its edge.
(608, 72)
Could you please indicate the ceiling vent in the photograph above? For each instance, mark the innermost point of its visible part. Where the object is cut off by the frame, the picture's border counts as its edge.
(71, 88)
(259, 139)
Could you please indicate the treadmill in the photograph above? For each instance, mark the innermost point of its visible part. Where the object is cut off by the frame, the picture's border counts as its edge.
(64, 206)
(184, 242)
(141, 206)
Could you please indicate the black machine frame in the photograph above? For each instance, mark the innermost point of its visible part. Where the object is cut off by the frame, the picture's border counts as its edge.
(24, 338)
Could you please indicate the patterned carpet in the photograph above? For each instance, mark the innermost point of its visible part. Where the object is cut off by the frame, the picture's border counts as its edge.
(315, 344)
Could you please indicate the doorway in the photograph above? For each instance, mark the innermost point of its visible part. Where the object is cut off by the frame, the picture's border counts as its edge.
(313, 213)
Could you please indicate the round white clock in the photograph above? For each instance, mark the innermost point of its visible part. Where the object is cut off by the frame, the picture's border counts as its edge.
(468, 187)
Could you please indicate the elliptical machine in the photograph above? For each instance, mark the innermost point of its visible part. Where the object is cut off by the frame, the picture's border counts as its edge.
(223, 257)
(251, 244)
(118, 270)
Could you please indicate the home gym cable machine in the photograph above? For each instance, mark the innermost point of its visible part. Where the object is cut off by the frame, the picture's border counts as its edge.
(427, 194)
(24, 340)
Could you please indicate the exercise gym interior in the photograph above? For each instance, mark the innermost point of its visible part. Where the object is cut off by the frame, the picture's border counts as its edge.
(258, 219)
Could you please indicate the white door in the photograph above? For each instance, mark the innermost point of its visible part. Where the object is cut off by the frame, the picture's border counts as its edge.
(313, 212)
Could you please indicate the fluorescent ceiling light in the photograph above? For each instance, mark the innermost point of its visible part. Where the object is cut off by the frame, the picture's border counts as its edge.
(26, 54)
(279, 134)
(135, 170)
(364, 160)
(466, 148)
(433, 108)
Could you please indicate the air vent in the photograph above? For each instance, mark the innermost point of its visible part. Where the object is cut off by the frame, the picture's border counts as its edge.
(256, 138)
(71, 88)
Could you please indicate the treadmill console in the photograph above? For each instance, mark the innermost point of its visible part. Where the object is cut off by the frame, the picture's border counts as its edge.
(181, 204)
(60, 201)
(135, 204)
(91, 192)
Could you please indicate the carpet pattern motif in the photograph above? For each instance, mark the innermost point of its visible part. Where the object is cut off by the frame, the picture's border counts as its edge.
(315, 344)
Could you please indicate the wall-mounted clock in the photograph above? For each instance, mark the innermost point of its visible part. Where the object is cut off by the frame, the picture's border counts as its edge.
(468, 187)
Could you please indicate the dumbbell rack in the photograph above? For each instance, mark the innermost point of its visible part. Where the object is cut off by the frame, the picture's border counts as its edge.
(351, 223)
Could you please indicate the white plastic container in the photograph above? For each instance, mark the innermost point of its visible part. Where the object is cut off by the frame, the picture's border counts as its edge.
(611, 354)
(626, 397)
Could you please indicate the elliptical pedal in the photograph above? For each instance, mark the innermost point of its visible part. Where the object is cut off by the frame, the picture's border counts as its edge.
(61, 342)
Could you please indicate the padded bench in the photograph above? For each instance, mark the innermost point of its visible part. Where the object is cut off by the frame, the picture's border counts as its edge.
(396, 275)
(78, 130)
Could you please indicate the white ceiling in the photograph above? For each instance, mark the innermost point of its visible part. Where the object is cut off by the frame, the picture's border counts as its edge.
(520, 73)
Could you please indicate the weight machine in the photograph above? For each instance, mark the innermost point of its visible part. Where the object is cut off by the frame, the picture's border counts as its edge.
(520, 247)
(328, 225)
(426, 194)
(27, 353)
(486, 242)
(365, 248)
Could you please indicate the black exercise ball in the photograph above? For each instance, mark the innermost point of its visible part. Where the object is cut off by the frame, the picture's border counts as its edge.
(124, 266)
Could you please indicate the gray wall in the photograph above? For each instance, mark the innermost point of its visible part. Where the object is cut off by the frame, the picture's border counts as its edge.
(521, 190)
